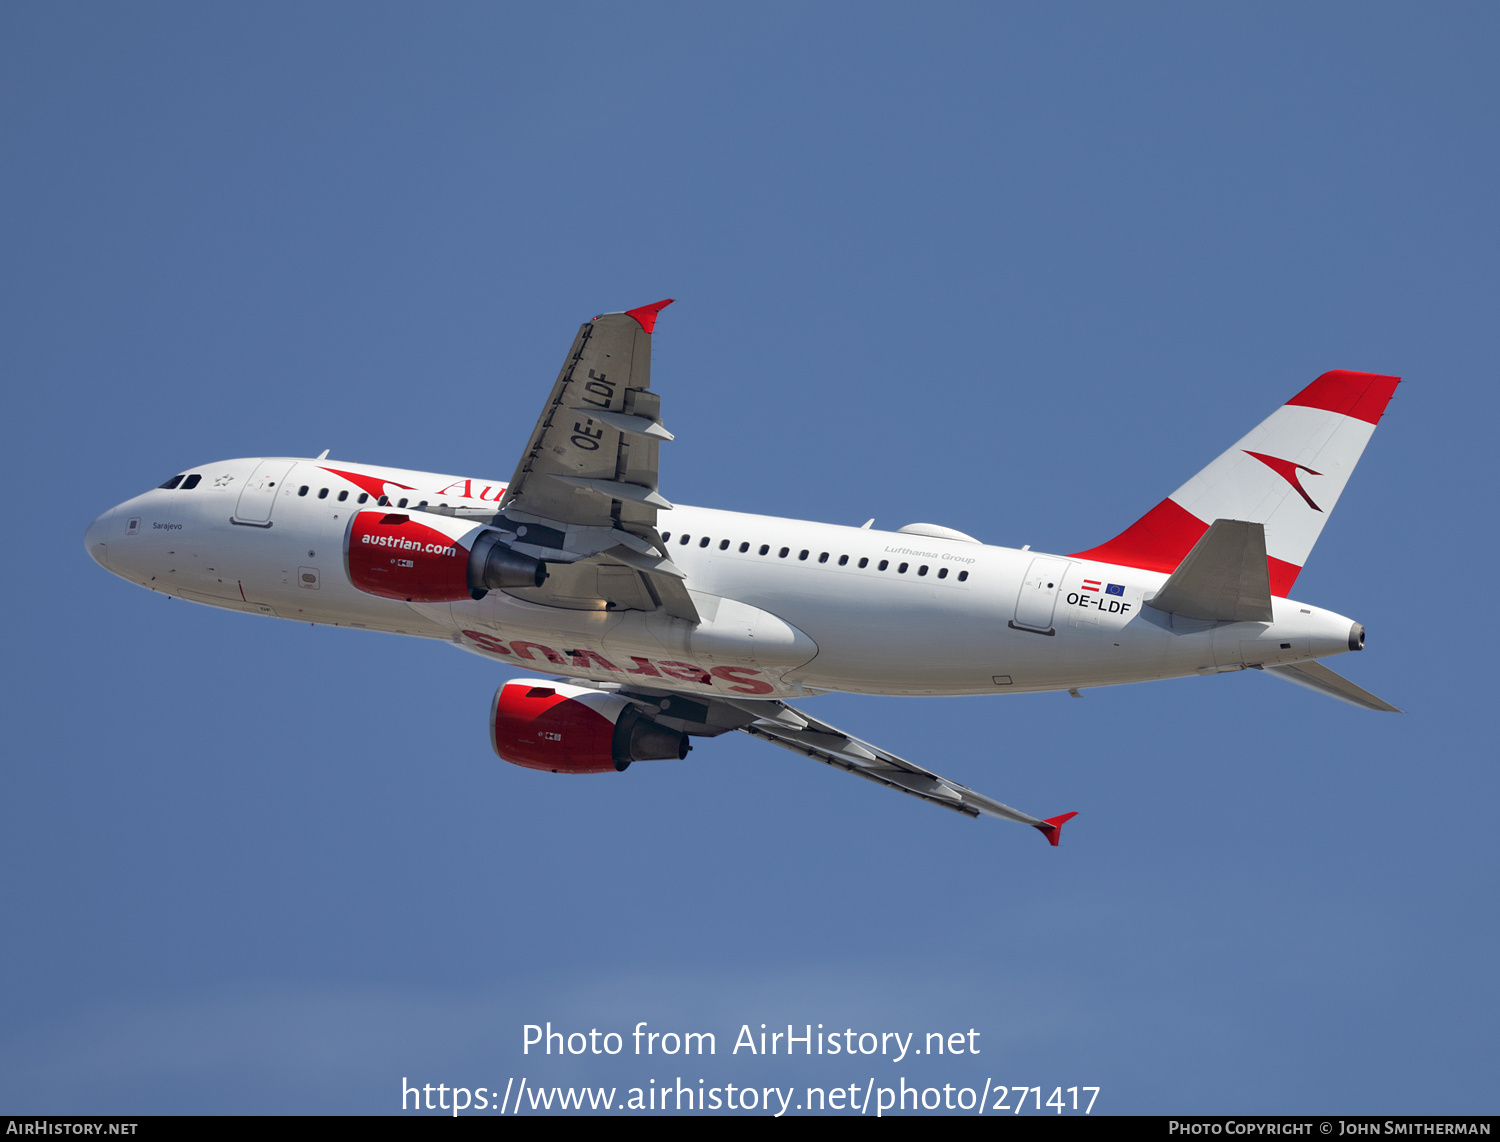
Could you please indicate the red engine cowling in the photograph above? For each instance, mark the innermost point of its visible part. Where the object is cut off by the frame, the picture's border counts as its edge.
(398, 556)
(573, 729)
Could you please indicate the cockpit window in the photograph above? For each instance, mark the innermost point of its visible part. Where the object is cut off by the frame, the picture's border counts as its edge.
(192, 481)
(173, 482)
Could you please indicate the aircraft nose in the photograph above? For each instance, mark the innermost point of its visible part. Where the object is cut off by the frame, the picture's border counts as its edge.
(94, 539)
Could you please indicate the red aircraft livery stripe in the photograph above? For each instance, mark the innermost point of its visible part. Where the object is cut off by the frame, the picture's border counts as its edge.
(1158, 541)
(1161, 539)
(1283, 575)
(1360, 395)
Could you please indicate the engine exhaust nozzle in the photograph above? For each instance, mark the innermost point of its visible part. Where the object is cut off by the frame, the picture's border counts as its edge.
(494, 566)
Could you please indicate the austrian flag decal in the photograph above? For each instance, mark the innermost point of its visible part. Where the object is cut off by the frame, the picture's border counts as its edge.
(1109, 588)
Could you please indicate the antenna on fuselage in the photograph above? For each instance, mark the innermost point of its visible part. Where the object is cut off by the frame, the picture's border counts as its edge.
(323, 455)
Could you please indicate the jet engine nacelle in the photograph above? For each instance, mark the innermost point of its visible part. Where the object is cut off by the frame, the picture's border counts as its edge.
(573, 729)
(424, 558)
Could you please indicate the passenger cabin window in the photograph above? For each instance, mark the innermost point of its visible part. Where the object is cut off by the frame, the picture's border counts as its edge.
(723, 545)
(384, 501)
(782, 554)
(402, 503)
(843, 560)
(302, 491)
(744, 547)
(962, 575)
(803, 555)
(823, 558)
(901, 570)
(704, 542)
(864, 561)
(344, 495)
(172, 483)
(363, 496)
(323, 494)
(942, 572)
(765, 548)
(666, 536)
(884, 563)
(684, 539)
(922, 570)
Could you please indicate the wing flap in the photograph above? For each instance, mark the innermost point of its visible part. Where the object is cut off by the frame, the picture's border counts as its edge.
(614, 490)
(650, 564)
(667, 580)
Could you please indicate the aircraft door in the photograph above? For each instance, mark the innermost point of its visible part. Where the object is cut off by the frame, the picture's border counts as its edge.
(259, 494)
(1038, 596)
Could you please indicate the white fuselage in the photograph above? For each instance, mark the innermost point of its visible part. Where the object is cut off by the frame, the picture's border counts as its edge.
(844, 608)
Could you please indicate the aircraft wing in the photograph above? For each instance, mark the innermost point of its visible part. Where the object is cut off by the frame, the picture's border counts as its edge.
(584, 496)
(800, 732)
(830, 745)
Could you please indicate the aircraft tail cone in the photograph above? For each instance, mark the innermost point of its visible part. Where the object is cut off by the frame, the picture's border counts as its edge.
(1051, 827)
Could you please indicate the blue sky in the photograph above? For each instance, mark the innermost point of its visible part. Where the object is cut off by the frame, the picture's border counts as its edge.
(1015, 269)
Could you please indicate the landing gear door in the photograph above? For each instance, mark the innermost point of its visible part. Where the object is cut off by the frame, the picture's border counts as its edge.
(259, 494)
(1038, 597)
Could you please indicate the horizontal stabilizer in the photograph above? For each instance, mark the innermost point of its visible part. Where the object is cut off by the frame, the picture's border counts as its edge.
(1223, 578)
(1316, 676)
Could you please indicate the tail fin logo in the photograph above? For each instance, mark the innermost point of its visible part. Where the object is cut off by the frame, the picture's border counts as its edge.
(1288, 472)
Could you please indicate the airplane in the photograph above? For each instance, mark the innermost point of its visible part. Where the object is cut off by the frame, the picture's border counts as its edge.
(649, 623)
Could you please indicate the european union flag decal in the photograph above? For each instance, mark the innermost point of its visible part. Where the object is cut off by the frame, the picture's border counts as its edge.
(1114, 589)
